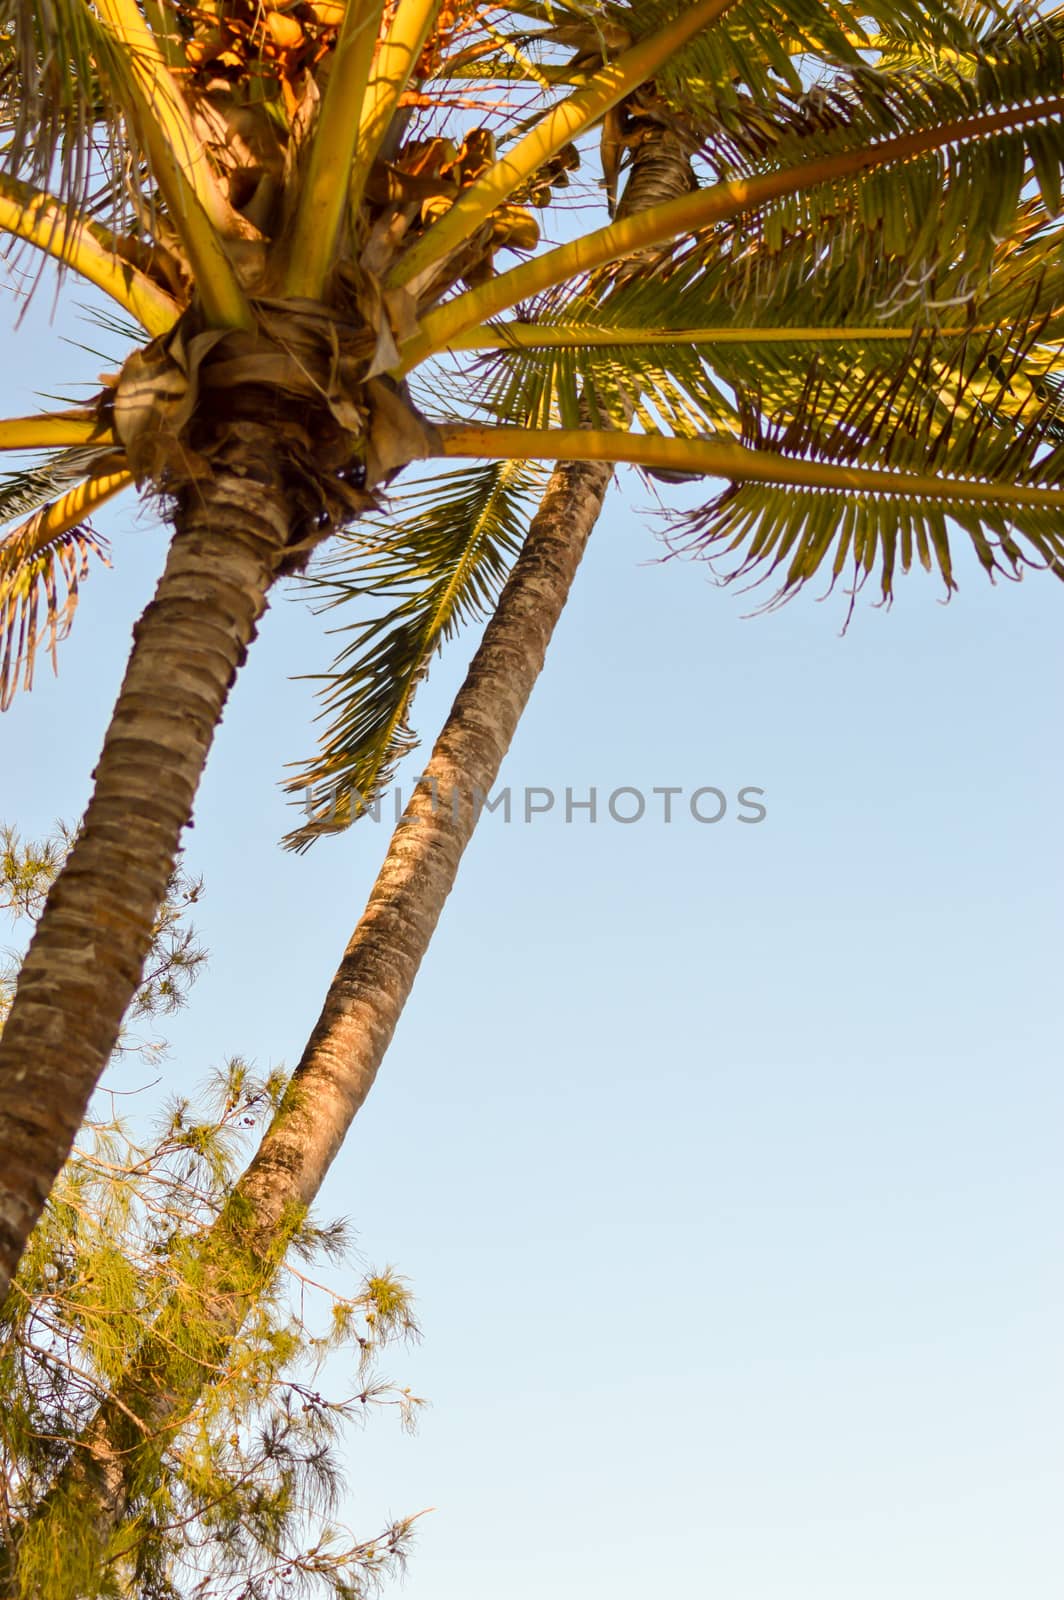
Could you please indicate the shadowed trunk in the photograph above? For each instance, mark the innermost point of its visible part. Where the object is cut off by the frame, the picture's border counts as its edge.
(89, 947)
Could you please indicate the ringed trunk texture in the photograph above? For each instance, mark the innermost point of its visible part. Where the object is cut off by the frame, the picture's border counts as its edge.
(661, 170)
(362, 1007)
(89, 947)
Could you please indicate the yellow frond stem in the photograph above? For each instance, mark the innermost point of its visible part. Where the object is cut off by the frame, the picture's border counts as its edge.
(323, 196)
(724, 458)
(577, 336)
(196, 205)
(689, 214)
(87, 249)
(499, 72)
(52, 430)
(396, 59)
(163, 24)
(560, 125)
(71, 508)
(166, 112)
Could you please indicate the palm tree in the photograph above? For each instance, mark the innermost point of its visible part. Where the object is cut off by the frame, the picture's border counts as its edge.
(123, 1446)
(852, 319)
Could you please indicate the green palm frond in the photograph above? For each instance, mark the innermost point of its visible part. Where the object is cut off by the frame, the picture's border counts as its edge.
(728, 81)
(440, 564)
(41, 569)
(987, 28)
(984, 424)
(671, 382)
(802, 66)
(117, 326)
(793, 534)
(756, 49)
(688, 384)
(840, 269)
(749, 52)
(989, 371)
(982, 403)
(753, 48)
(972, 188)
(65, 97)
(742, 51)
(934, 166)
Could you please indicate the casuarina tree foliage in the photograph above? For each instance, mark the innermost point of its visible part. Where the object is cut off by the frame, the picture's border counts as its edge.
(231, 1485)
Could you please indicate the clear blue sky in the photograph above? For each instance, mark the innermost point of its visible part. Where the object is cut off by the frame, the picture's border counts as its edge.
(725, 1161)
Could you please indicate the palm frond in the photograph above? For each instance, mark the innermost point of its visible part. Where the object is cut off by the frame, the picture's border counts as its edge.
(976, 432)
(34, 217)
(839, 269)
(795, 497)
(755, 50)
(25, 491)
(672, 382)
(113, 323)
(706, 58)
(74, 426)
(793, 534)
(441, 565)
(66, 98)
(43, 563)
(679, 378)
(979, 30)
(934, 162)
(983, 402)
(971, 185)
(86, 90)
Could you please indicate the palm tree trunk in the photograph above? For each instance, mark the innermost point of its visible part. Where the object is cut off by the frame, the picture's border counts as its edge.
(94, 933)
(362, 1006)
(366, 998)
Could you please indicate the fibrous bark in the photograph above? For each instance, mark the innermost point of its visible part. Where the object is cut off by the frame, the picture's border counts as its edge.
(89, 947)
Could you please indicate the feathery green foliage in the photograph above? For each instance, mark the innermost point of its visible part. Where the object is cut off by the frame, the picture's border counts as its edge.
(243, 1497)
(27, 871)
(434, 566)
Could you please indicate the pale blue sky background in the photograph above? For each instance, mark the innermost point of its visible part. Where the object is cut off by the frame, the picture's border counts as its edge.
(725, 1161)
